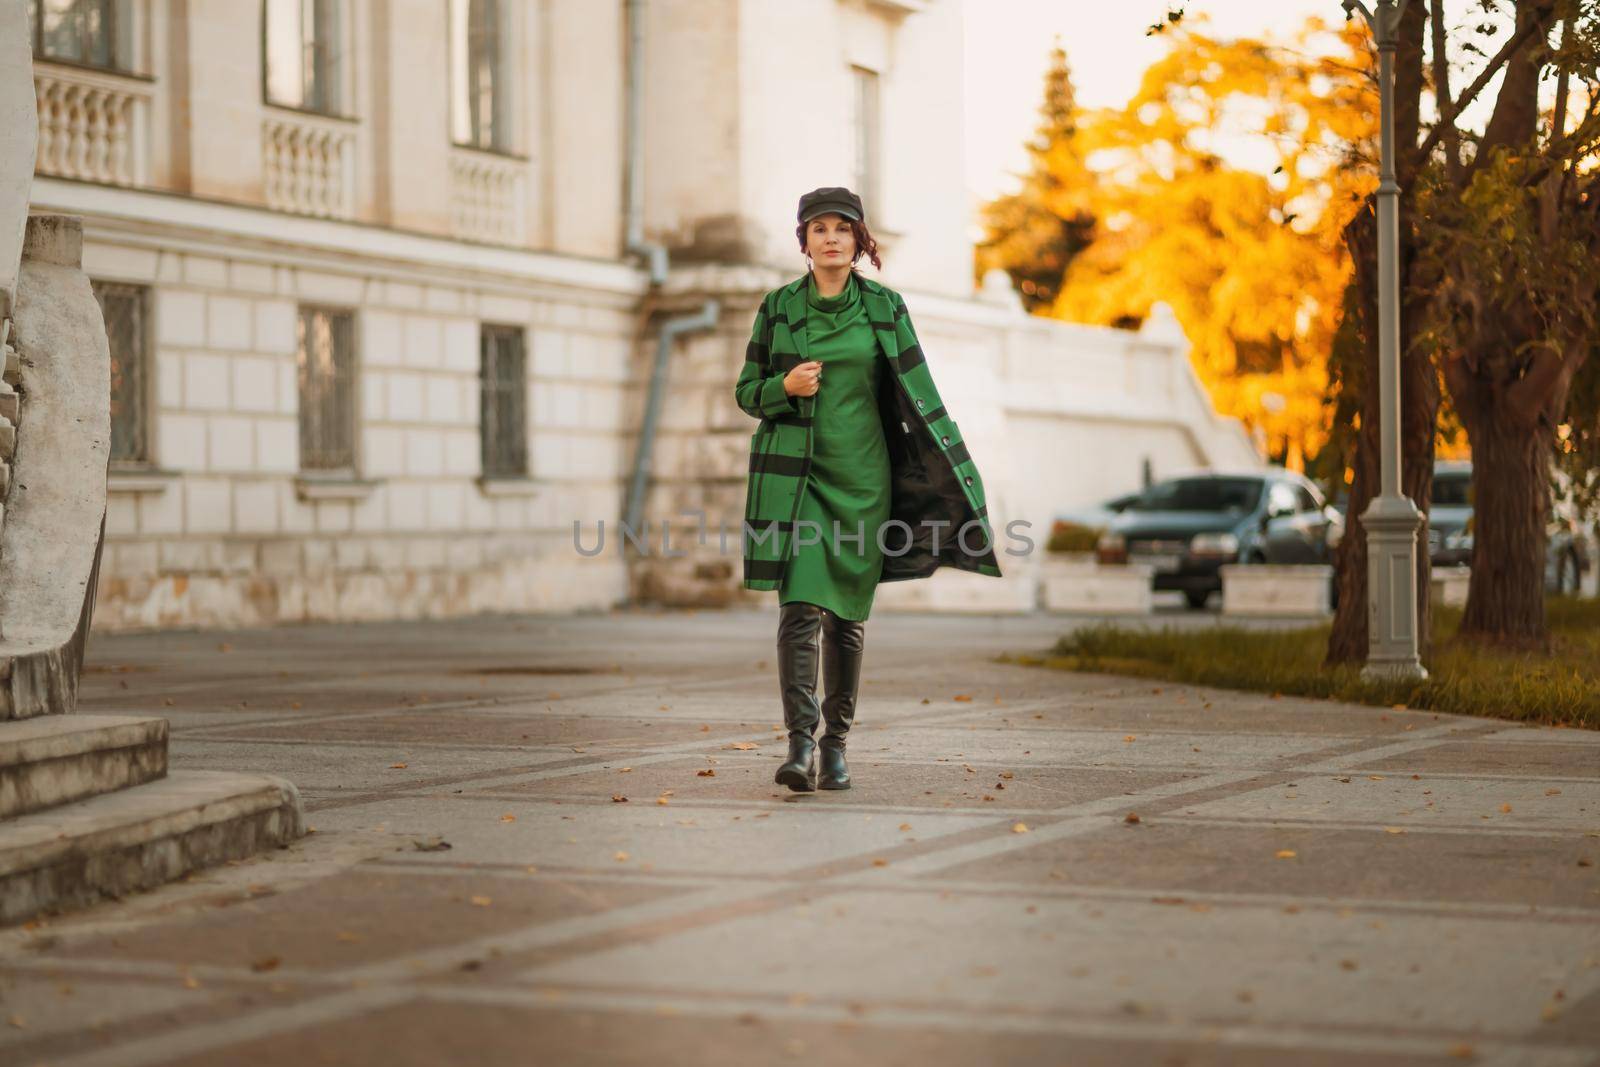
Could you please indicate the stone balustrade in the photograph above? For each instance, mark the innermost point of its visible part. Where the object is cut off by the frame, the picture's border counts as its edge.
(92, 124)
(309, 164)
(487, 194)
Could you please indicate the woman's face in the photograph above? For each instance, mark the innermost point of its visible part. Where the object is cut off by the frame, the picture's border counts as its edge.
(829, 241)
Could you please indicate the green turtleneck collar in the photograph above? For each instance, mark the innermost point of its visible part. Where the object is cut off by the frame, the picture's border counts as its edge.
(850, 294)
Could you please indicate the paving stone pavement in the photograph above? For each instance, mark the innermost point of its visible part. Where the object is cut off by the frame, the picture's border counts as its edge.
(1304, 883)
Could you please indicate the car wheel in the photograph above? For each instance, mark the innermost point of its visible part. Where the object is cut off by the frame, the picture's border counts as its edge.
(1197, 598)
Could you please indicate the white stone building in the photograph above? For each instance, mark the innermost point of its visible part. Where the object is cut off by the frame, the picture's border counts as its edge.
(379, 338)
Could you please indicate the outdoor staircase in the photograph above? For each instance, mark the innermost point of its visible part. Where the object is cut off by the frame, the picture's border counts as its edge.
(88, 809)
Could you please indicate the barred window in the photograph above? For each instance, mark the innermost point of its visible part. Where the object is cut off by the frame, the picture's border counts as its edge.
(480, 74)
(80, 31)
(503, 414)
(123, 307)
(327, 389)
(303, 50)
(868, 137)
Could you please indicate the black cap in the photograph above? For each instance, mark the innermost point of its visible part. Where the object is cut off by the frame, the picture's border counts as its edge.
(835, 199)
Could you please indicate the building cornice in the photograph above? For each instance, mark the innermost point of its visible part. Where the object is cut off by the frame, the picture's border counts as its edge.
(165, 220)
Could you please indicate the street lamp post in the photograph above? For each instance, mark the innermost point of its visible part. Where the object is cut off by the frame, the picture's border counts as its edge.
(1391, 520)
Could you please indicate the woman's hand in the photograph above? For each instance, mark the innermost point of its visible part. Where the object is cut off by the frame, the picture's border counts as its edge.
(804, 379)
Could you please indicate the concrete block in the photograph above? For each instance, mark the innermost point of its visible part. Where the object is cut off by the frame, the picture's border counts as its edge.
(405, 397)
(255, 383)
(408, 504)
(277, 445)
(334, 516)
(137, 838)
(205, 271)
(510, 310)
(119, 262)
(1086, 587)
(323, 288)
(424, 341)
(383, 451)
(208, 506)
(58, 759)
(279, 558)
(161, 513)
(276, 326)
(122, 514)
(288, 387)
(424, 453)
(255, 507)
(1274, 589)
(181, 441)
(231, 443)
(169, 380)
(374, 398)
(446, 507)
(381, 339)
(547, 355)
(1450, 586)
(461, 351)
(207, 383)
(438, 298)
(251, 277)
(229, 323)
(189, 557)
(441, 399)
(180, 318)
(462, 453)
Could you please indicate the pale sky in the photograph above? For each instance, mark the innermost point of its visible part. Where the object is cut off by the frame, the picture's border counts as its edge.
(1008, 45)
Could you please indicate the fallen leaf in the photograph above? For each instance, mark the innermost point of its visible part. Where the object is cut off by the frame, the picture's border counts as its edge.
(269, 963)
(963, 696)
(661, 800)
(1552, 792)
(1131, 817)
(397, 766)
(1462, 1050)
(624, 770)
(1007, 774)
(618, 798)
(620, 857)
(481, 901)
(191, 982)
(880, 862)
(707, 773)
(1393, 830)
(347, 936)
(1019, 828)
(741, 745)
(508, 817)
(1130, 737)
(1286, 854)
(1506, 809)
(905, 826)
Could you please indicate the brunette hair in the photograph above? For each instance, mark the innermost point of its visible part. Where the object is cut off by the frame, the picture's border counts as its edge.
(866, 244)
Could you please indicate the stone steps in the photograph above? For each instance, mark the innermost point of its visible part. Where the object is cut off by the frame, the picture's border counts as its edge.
(137, 838)
(58, 759)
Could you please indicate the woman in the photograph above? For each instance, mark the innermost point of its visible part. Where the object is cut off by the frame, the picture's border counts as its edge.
(862, 481)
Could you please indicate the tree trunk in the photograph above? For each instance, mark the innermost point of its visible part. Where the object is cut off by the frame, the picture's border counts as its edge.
(1510, 507)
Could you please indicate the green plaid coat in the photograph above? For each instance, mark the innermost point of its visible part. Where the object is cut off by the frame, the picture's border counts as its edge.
(933, 479)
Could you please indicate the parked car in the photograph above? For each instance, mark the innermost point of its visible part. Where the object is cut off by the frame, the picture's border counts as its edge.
(1569, 548)
(1187, 528)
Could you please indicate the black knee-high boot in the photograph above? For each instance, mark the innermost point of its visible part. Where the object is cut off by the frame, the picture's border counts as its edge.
(843, 640)
(799, 624)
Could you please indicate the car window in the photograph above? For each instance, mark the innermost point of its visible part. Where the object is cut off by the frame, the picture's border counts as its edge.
(1452, 490)
(1201, 494)
(1282, 499)
(1306, 501)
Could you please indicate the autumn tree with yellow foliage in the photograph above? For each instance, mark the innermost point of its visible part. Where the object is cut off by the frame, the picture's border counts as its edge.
(1250, 258)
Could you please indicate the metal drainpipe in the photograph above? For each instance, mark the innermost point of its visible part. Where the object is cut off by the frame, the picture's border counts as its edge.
(656, 255)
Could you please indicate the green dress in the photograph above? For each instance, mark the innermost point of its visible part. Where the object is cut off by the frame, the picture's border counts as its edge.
(848, 481)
